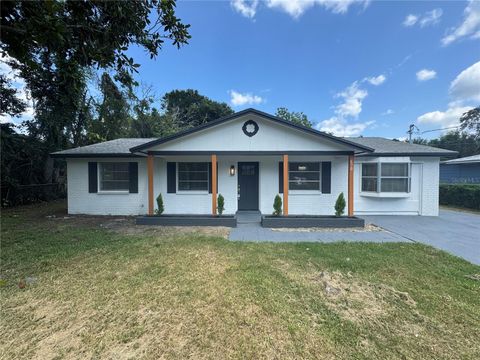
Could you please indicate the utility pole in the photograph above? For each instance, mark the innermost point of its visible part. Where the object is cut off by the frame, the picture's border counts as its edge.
(411, 130)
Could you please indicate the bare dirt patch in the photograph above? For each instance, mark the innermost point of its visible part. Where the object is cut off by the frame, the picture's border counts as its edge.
(125, 225)
(367, 228)
(357, 300)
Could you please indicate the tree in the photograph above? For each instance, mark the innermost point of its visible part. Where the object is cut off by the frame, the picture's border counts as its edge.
(298, 118)
(470, 120)
(188, 108)
(54, 44)
(113, 113)
(464, 143)
(22, 163)
(10, 103)
(88, 33)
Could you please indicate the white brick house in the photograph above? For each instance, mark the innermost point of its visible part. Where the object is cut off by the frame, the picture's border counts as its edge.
(249, 158)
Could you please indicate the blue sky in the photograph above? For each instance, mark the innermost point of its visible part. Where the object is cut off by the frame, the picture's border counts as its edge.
(354, 67)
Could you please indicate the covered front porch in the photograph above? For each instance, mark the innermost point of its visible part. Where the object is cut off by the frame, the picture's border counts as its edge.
(308, 182)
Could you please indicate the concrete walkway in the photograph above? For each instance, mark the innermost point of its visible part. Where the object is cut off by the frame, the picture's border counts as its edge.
(453, 231)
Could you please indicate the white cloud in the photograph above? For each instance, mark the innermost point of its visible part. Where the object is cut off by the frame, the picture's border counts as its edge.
(410, 20)
(426, 74)
(469, 27)
(388, 112)
(466, 86)
(296, 8)
(443, 119)
(246, 8)
(239, 99)
(376, 80)
(22, 92)
(340, 127)
(353, 97)
(350, 107)
(431, 17)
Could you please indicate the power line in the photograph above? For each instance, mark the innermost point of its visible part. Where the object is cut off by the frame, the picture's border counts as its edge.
(451, 127)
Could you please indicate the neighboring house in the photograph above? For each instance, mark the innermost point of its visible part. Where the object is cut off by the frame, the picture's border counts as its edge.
(249, 158)
(464, 170)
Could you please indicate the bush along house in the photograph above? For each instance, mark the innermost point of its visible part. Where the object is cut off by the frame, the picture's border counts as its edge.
(249, 158)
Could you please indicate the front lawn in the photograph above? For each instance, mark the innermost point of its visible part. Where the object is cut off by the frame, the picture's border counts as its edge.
(83, 287)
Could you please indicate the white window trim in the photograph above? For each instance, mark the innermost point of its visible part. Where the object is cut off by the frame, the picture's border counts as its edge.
(386, 194)
(191, 192)
(306, 191)
(99, 181)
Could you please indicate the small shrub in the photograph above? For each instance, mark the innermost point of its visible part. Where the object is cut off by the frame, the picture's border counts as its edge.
(277, 206)
(460, 195)
(220, 204)
(340, 205)
(160, 207)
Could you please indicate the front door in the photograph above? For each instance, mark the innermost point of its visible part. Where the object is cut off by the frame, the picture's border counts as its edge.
(247, 186)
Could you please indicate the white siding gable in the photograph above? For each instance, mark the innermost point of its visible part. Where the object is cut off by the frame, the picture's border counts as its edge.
(271, 136)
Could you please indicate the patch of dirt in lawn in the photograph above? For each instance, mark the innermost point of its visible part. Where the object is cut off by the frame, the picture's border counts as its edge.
(352, 299)
(125, 225)
(356, 300)
(367, 228)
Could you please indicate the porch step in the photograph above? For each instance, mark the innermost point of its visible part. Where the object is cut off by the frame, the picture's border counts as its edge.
(249, 217)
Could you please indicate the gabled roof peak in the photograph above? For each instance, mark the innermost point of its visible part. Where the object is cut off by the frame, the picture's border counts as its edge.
(265, 115)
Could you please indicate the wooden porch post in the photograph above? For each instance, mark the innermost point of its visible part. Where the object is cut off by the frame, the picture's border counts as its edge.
(150, 183)
(350, 185)
(285, 184)
(214, 184)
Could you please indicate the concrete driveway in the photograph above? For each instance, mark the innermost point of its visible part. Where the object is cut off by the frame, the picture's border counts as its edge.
(453, 231)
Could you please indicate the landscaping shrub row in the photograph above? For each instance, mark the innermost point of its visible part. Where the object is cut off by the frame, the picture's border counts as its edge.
(460, 195)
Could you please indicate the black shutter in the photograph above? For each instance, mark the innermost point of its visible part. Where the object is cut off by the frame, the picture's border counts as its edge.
(171, 177)
(133, 177)
(92, 177)
(326, 177)
(210, 177)
(280, 177)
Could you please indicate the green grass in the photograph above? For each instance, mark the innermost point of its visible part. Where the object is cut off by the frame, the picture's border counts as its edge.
(172, 294)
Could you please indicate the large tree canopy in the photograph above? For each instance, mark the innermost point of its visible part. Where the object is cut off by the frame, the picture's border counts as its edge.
(87, 33)
(53, 45)
(188, 108)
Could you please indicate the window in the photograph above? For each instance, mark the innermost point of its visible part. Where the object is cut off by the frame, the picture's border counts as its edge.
(394, 177)
(114, 176)
(193, 176)
(304, 176)
(386, 177)
(369, 177)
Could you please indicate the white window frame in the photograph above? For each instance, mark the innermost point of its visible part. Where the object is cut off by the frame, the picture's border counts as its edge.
(306, 191)
(191, 192)
(99, 178)
(379, 178)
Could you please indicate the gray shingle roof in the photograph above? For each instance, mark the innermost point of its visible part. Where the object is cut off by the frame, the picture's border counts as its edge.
(464, 160)
(117, 147)
(384, 146)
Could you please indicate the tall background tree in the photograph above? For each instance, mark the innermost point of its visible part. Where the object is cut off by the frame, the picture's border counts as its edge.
(188, 108)
(465, 141)
(470, 121)
(298, 118)
(54, 45)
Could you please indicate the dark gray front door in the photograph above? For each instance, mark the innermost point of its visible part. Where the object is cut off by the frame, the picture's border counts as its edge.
(248, 186)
